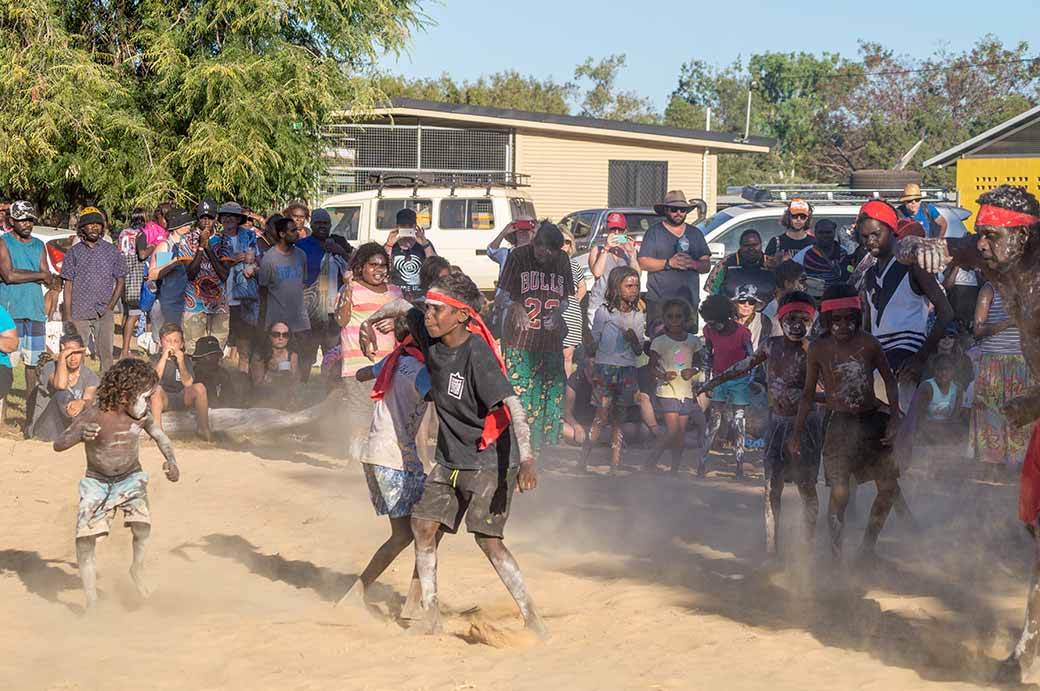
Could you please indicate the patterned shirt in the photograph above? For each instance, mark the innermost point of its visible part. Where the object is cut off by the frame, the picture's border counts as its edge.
(93, 272)
(206, 291)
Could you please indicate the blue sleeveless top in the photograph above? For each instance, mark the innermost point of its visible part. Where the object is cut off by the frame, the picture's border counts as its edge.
(23, 300)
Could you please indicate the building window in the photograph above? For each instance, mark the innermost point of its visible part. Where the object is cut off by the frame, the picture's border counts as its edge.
(386, 212)
(637, 183)
(472, 214)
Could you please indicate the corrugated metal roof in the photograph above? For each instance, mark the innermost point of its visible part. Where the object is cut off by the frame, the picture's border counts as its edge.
(578, 121)
(994, 134)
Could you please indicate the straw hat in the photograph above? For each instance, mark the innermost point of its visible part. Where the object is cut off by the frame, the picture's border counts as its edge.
(911, 193)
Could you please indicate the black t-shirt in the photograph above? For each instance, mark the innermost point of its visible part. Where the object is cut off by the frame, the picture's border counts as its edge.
(584, 411)
(467, 384)
(540, 289)
(784, 243)
(170, 381)
(404, 268)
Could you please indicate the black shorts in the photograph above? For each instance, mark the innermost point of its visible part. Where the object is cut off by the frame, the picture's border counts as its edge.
(805, 469)
(6, 381)
(483, 496)
(239, 330)
(852, 446)
(175, 401)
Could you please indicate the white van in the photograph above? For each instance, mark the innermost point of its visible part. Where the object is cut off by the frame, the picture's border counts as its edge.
(460, 221)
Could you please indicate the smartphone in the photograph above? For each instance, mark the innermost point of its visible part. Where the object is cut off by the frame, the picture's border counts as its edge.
(405, 233)
(621, 239)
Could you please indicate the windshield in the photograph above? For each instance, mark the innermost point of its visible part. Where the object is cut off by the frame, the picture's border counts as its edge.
(714, 222)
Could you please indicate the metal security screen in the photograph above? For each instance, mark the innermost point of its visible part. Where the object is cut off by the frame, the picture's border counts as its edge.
(636, 183)
(435, 154)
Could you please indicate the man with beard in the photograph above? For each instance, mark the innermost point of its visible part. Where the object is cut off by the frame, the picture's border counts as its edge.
(94, 272)
(23, 265)
(326, 268)
(282, 271)
(1007, 251)
(826, 262)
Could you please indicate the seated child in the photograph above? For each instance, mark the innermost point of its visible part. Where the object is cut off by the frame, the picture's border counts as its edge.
(728, 343)
(937, 407)
(673, 359)
(224, 388)
(178, 389)
(109, 429)
(393, 470)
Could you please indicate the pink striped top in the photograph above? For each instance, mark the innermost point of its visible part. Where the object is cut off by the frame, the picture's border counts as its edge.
(366, 303)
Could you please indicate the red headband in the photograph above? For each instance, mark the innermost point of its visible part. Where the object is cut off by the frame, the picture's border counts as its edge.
(880, 211)
(498, 419)
(1003, 218)
(851, 303)
(796, 307)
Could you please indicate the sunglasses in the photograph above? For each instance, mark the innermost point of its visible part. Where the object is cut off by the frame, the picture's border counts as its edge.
(677, 209)
(280, 334)
(746, 302)
(801, 216)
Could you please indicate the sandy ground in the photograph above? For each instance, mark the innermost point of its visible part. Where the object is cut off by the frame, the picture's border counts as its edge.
(647, 582)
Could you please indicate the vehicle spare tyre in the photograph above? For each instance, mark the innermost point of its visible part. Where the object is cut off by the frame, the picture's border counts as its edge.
(874, 179)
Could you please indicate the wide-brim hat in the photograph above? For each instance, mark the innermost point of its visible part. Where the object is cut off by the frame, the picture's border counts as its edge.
(231, 209)
(673, 198)
(911, 193)
(206, 346)
(177, 218)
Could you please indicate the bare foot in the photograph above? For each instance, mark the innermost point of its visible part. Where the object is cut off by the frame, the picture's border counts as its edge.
(140, 582)
(428, 623)
(90, 608)
(205, 435)
(354, 597)
(537, 626)
(412, 608)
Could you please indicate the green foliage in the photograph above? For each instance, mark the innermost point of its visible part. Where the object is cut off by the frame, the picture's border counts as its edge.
(138, 102)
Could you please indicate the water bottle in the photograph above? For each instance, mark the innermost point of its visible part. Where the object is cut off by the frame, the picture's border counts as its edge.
(684, 244)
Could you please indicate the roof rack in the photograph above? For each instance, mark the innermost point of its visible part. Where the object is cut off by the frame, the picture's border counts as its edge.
(834, 193)
(452, 181)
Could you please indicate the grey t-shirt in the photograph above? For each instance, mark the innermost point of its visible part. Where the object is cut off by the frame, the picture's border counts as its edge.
(45, 392)
(659, 243)
(282, 275)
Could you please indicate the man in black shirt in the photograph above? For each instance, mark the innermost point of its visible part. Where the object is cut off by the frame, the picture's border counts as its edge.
(537, 281)
(408, 249)
(482, 435)
(797, 220)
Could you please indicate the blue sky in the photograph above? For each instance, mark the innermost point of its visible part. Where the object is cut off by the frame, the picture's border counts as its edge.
(548, 38)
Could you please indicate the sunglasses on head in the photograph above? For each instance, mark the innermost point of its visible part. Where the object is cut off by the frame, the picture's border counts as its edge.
(280, 334)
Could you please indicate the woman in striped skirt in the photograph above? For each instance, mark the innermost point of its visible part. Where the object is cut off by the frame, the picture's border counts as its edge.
(1001, 374)
(572, 316)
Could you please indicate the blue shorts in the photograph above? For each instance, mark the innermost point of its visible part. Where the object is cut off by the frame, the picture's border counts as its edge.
(393, 492)
(681, 406)
(32, 339)
(98, 501)
(736, 392)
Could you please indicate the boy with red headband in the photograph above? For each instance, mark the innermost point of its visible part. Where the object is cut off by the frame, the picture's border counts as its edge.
(859, 435)
(785, 380)
(483, 444)
(1007, 251)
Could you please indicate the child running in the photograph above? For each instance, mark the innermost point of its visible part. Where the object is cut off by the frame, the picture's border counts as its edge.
(672, 359)
(728, 343)
(786, 359)
(393, 469)
(482, 435)
(617, 342)
(859, 435)
(109, 430)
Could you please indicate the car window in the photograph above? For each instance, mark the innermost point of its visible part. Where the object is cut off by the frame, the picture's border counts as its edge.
(386, 212)
(345, 221)
(768, 228)
(463, 214)
(522, 208)
(714, 222)
(637, 225)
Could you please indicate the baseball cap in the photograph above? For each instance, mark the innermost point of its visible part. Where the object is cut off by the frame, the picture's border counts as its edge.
(748, 291)
(799, 206)
(90, 215)
(22, 211)
(207, 207)
(207, 345)
(616, 221)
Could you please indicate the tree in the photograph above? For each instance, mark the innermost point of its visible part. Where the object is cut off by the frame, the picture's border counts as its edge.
(507, 89)
(138, 102)
(602, 100)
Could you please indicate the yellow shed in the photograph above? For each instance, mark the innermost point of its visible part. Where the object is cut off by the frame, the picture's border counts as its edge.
(1006, 154)
(569, 162)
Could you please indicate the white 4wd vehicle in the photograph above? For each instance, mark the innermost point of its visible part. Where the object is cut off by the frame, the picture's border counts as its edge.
(460, 221)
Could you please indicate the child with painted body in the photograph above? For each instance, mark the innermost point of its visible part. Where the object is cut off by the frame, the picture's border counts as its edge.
(110, 429)
(859, 435)
(786, 360)
(673, 357)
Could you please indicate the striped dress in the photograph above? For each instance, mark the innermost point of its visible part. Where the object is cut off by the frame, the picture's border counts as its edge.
(1001, 374)
(572, 315)
(366, 303)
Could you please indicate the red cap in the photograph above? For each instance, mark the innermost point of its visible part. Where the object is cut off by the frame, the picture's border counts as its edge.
(616, 221)
(880, 211)
(908, 226)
